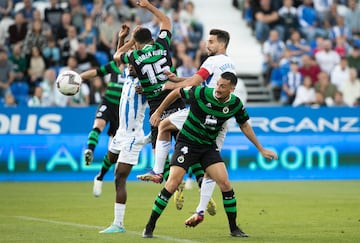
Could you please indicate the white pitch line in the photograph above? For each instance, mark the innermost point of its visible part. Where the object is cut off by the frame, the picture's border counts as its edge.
(99, 227)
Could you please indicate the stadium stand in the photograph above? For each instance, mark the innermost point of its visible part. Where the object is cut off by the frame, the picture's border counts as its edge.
(339, 21)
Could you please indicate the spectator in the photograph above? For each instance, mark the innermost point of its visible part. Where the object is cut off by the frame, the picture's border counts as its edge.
(194, 26)
(291, 82)
(108, 35)
(354, 59)
(19, 64)
(5, 22)
(34, 38)
(340, 73)
(166, 8)
(78, 13)
(339, 99)
(51, 96)
(325, 90)
(327, 58)
(69, 45)
(352, 18)
(28, 10)
(179, 31)
(97, 89)
(305, 93)
(322, 8)
(36, 99)
(351, 89)
(6, 73)
(142, 16)
(6, 7)
(317, 45)
(308, 20)
(45, 27)
(179, 54)
(18, 30)
(119, 11)
(201, 54)
(288, 18)
(97, 13)
(10, 100)
(297, 46)
(153, 26)
(309, 68)
(340, 30)
(51, 53)
(36, 68)
(85, 60)
(273, 50)
(266, 19)
(341, 46)
(52, 15)
(88, 35)
(187, 69)
(62, 30)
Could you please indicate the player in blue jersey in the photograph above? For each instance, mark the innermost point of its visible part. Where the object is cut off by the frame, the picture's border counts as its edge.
(126, 145)
(209, 109)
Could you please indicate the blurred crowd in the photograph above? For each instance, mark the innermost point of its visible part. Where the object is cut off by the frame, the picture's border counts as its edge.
(39, 39)
(310, 47)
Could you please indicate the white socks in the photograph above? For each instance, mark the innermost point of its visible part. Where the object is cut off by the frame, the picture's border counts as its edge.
(119, 212)
(162, 149)
(206, 191)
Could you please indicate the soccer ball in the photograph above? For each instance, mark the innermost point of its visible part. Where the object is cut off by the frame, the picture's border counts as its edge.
(68, 82)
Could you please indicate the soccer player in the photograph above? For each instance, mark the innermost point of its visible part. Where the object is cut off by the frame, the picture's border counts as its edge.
(210, 108)
(151, 59)
(126, 145)
(217, 63)
(107, 111)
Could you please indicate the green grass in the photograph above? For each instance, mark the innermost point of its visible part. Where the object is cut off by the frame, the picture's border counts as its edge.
(270, 211)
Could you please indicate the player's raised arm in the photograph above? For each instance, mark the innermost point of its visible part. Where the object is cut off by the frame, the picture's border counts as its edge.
(125, 47)
(164, 20)
(124, 32)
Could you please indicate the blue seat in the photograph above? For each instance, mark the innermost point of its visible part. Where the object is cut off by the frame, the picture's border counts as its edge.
(101, 57)
(19, 88)
(89, 7)
(22, 100)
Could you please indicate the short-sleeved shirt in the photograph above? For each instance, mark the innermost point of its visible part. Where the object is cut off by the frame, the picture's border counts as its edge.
(213, 67)
(150, 64)
(207, 115)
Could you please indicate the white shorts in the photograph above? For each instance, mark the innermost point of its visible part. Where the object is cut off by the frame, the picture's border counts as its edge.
(127, 147)
(178, 118)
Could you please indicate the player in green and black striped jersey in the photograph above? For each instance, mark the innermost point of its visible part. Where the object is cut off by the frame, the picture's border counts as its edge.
(151, 59)
(209, 110)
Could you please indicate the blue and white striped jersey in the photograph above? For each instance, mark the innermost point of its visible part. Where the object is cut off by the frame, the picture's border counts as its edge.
(132, 108)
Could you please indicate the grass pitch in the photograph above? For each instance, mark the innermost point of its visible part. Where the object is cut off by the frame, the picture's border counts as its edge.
(269, 211)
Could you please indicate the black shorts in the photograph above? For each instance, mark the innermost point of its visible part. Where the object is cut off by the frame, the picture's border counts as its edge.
(174, 107)
(110, 113)
(185, 155)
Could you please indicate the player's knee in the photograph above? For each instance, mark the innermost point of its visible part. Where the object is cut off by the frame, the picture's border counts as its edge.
(166, 126)
(172, 184)
(224, 185)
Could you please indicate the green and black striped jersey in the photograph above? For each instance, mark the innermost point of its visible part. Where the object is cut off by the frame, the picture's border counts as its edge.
(115, 85)
(207, 115)
(150, 64)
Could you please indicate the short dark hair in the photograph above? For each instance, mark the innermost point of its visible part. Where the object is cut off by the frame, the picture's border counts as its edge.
(231, 77)
(222, 36)
(143, 36)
